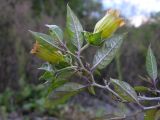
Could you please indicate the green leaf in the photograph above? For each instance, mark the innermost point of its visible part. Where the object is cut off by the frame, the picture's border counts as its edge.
(141, 89)
(107, 52)
(151, 64)
(62, 86)
(60, 79)
(70, 87)
(59, 98)
(56, 33)
(64, 92)
(47, 76)
(157, 116)
(150, 114)
(46, 41)
(124, 90)
(65, 73)
(93, 38)
(56, 83)
(74, 29)
(91, 90)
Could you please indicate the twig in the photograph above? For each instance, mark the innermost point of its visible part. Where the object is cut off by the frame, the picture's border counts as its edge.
(84, 47)
(151, 107)
(143, 98)
(69, 52)
(109, 89)
(157, 91)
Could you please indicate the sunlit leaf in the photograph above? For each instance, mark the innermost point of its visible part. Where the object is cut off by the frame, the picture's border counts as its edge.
(151, 64)
(107, 52)
(124, 90)
(74, 29)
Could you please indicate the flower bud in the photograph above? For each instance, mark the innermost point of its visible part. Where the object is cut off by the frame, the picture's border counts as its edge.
(43, 53)
(109, 24)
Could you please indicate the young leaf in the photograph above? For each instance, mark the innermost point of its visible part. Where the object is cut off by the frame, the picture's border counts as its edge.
(124, 90)
(74, 29)
(93, 38)
(151, 64)
(56, 33)
(107, 52)
(46, 41)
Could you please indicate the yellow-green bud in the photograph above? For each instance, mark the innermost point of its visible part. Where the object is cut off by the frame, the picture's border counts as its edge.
(43, 53)
(109, 24)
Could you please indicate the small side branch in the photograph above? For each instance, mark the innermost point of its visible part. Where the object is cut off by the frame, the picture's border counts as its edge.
(143, 98)
(151, 107)
(84, 47)
(109, 89)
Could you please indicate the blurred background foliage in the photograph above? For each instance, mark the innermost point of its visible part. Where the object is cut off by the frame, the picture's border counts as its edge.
(18, 69)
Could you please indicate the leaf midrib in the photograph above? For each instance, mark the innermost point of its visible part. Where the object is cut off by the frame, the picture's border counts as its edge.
(105, 55)
(75, 27)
